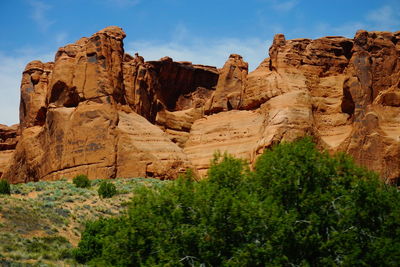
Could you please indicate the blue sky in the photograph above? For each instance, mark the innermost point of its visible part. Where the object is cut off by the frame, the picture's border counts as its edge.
(204, 32)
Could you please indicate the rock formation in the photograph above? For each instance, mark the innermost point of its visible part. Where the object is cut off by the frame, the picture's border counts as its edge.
(230, 85)
(99, 111)
(8, 142)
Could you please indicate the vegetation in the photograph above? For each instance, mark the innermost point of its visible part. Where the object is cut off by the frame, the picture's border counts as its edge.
(81, 181)
(40, 222)
(107, 190)
(5, 188)
(298, 207)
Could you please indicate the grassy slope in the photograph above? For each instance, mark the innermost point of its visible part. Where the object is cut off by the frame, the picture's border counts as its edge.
(40, 222)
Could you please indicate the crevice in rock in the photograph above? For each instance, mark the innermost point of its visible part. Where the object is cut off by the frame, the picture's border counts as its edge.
(116, 143)
(228, 105)
(395, 181)
(348, 105)
(41, 116)
(62, 95)
(72, 167)
(22, 108)
(347, 49)
(34, 81)
(72, 99)
(58, 88)
(91, 57)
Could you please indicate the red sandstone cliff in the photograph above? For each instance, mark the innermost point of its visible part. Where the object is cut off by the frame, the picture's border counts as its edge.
(99, 111)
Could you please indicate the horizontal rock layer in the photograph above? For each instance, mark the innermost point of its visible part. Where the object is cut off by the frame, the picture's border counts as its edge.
(99, 111)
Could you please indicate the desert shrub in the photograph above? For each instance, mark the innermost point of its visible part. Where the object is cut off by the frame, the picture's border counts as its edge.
(81, 181)
(107, 190)
(5, 187)
(298, 207)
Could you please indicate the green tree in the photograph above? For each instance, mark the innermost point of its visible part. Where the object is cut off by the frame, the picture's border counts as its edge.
(298, 207)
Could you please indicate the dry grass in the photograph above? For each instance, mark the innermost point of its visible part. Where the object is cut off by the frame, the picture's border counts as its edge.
(40, 222)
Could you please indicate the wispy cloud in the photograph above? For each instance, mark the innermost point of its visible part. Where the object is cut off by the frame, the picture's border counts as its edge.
(281, 5)
(185, 45)
(348, 29)
(284, 5)
(60, 38)
(124, 3)
(38, 14)
(387, 17)
(11, 69)
(208, 52)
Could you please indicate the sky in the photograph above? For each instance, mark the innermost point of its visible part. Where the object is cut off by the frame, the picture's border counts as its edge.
(200, 31)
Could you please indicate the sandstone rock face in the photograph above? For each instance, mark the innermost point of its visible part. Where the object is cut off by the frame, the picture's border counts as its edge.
(8, 141)
(166, 85)
(231, 83)
(87, 127)
(170, 94)
(34, 87)
(236, 132)
(347, 82)
(99, 111)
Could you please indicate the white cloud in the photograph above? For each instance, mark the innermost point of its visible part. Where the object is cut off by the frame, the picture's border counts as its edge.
(349, 29)
(280, 5)
(385, 18)
(61, 38)
(124, 3)
(284, 5)
(197, 50)
(206, 52)
(186, 46)
(38, 15)
(11, 69)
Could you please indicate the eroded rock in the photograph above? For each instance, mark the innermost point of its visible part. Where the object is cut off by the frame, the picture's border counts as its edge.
(99, 111)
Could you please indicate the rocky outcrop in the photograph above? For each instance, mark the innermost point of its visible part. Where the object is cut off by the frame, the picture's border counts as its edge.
(8, 141)
(87, 126)
(346, 81)
(237, 132)
(170, 94)
(99, 111)
(230, 86)
(166, 85)
(34, 88)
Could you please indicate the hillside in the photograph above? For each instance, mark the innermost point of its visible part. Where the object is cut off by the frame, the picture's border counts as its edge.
(40, 222)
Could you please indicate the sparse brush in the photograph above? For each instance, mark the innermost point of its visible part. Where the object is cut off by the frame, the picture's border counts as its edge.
(81, 181)
(107, 190)
(5, 187)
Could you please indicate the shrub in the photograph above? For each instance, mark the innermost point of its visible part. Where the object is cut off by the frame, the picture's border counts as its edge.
(298, 207)
(81, 181)
(5, 187)
(107, 189)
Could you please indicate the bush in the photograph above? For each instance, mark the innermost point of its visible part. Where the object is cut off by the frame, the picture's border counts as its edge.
(107, 190)
(298, 207)
(81, 181)
(5, 187)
